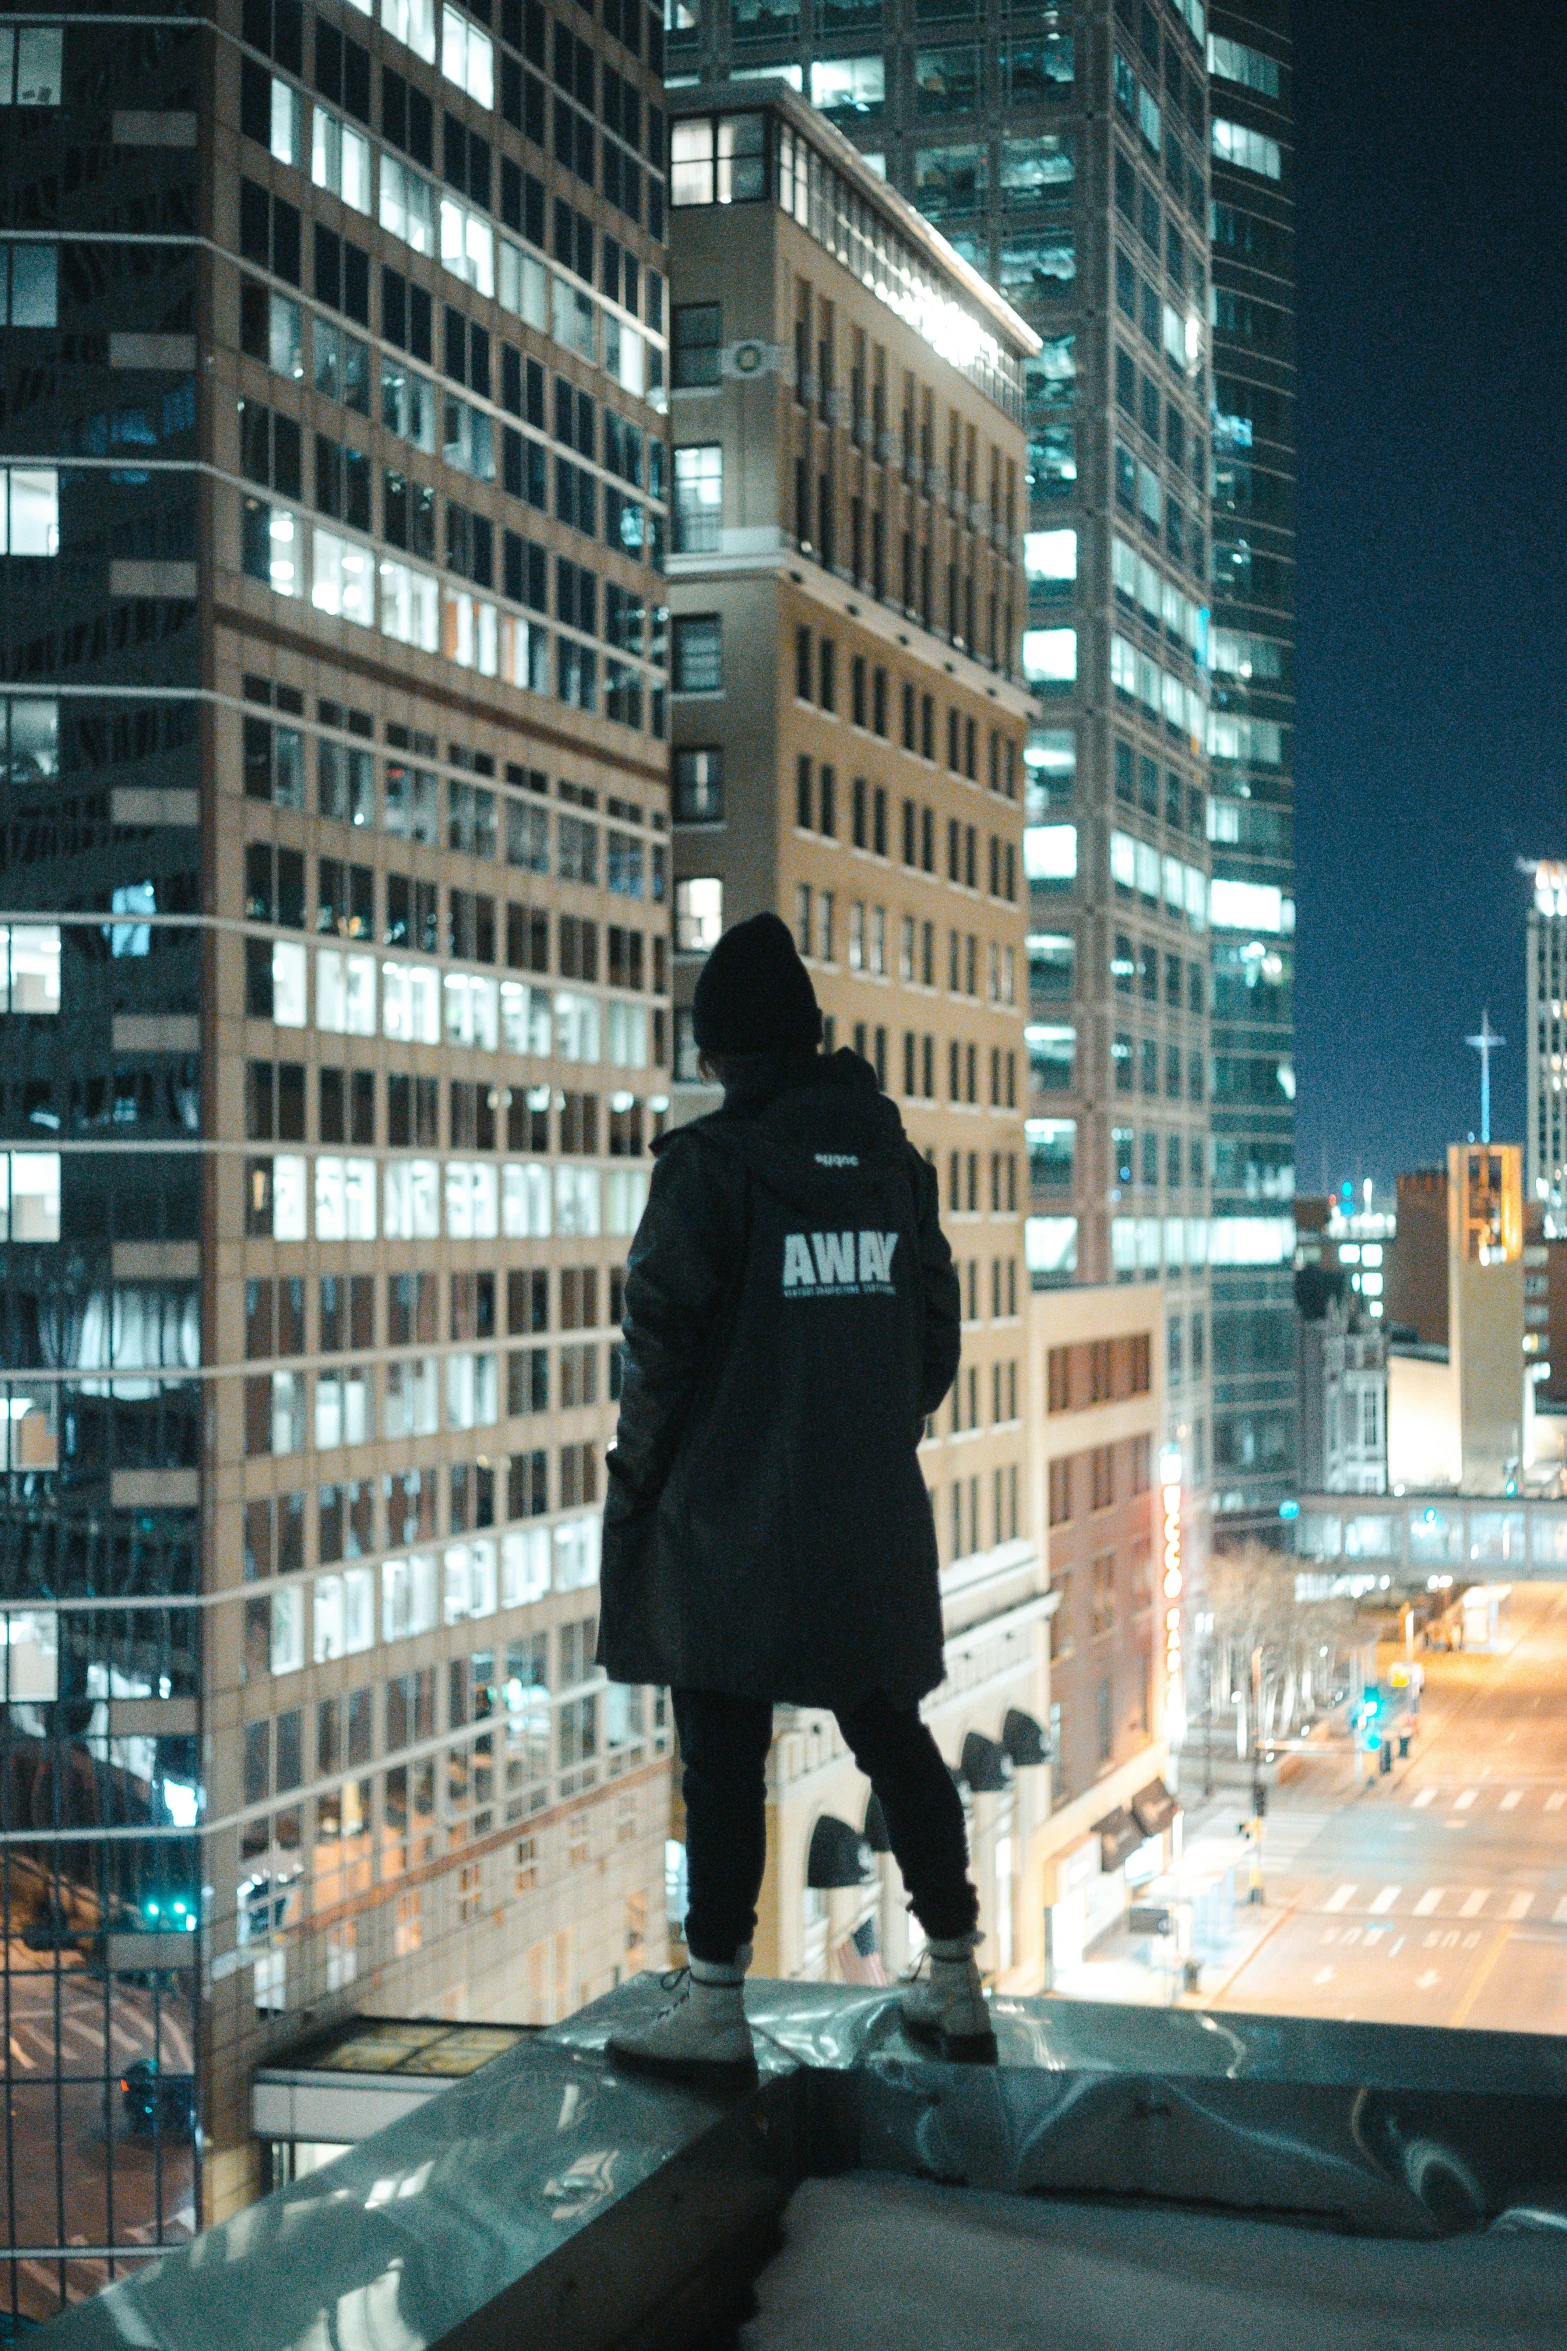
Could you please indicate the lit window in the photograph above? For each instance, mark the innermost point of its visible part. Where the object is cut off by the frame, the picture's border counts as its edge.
(285, 114)
(288, 984)
(1052, 1057)
(855, 86)
(1232, 61)
(699, 498)
(269, 546)
(1050, 657)
(408, 208)
(467, 245)
(342, 579)
(30, 1195)
(412, 22)
(410, 606)
(467, 56)
(1034, 170)
(699, 914)
(29, 510)
(1248, 150)
(1050, 555)
(339, 156)
(1050, 1247)
(1050, 855)
(31, 65)
(29, 967)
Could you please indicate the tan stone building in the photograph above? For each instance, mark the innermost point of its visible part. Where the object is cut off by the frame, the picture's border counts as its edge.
(846, 599)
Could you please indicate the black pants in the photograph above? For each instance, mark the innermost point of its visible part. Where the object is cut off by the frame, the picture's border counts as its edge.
(723, 1746)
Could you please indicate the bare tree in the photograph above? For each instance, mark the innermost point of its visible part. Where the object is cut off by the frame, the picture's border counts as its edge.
(1248, 1599)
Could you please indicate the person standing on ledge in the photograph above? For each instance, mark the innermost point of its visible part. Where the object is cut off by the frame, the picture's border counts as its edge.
(792, 1318)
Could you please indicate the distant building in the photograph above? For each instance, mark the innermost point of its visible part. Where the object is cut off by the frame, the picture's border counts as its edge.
(1415, 1295)
(1547, 1047)
(1459, 1410)
(1332, 1234)
(1343, 1388)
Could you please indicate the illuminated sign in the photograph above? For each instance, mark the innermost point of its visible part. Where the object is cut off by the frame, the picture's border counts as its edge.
(1173, 1583)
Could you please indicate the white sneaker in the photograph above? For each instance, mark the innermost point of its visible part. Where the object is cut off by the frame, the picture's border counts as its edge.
(943, 2003)
(702, 2035)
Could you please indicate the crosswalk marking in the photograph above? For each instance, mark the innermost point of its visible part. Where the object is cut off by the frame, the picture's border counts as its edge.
(1513, 1797)
(1555, 1803)
(1472, 1904)
(1559, 1914)
(1340, 1896)
(1519, 1906)
(1385, 1900)
(1466, 1799)
(1425, 1797)
(1429, 1900)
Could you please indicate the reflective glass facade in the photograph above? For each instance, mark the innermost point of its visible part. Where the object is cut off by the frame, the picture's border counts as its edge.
(1251, 743)
(333, 997)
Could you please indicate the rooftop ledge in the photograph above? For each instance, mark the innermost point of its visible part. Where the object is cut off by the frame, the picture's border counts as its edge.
(548, 2199)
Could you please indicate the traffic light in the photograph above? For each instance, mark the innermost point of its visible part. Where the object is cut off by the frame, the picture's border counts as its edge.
(1259, 1800)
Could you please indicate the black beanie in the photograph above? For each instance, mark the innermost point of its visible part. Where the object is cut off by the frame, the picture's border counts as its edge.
(754, 995)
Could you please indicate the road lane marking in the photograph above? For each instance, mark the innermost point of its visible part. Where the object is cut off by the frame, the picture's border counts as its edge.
(1425, 1797)
(1512, 1799)
(1472, 1904)
(1324, 1975)
(1463, 1802)
(1461, 2012)
(1519, 1906)
(1340, 1896)
(1385, 1900)
(1427, 1977)
(20, 2054)
(1429, 1900)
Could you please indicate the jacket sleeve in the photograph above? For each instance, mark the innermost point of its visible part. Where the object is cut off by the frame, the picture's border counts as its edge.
(943, 1339)
(676, 1275)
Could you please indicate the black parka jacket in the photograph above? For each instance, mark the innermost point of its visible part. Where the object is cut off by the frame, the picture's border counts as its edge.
(792, 1316)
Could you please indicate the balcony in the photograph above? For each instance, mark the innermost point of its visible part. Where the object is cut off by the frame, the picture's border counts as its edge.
(548, 2199)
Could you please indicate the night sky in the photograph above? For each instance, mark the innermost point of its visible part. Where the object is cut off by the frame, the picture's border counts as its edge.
(1432, 744)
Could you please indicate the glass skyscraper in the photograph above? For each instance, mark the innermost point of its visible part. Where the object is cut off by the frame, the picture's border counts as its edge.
(334, 1005)
(1251, 748)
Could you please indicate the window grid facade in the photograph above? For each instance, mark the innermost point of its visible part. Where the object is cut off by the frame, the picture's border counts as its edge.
(334, 583)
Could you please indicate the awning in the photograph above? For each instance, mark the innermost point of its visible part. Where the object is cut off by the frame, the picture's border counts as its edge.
(1154, 1808)
(839, 1855)
(1024, 1739)
(1118, 1835)
(876, 1825)
(986, 1766)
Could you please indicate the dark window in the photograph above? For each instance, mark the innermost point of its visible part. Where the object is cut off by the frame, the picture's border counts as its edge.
(696, 342)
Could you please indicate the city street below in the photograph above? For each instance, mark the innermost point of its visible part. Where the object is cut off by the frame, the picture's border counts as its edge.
(1434, 1894)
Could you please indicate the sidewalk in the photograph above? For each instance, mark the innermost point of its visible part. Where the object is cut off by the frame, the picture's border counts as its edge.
(1145, 1970)
(1142, 1970)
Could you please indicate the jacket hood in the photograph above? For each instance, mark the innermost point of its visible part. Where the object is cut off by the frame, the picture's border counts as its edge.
(818, 1134)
